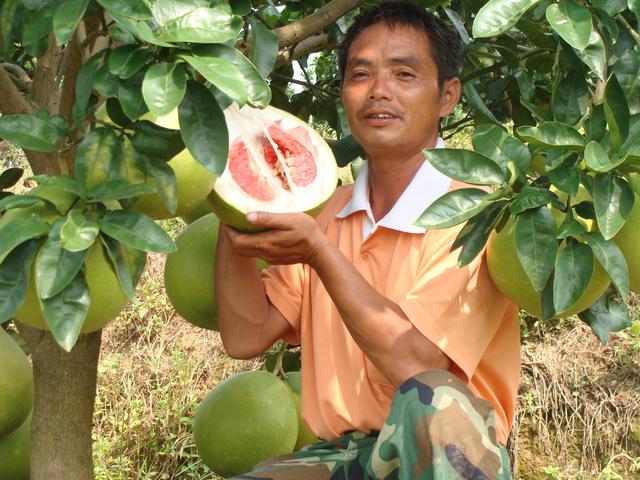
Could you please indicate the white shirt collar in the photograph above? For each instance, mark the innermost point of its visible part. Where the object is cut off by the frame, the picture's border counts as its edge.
(427, 185)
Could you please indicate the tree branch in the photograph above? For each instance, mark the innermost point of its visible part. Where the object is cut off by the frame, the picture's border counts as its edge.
(309, 45)
(314, 23)
(45, 91)
(20, 77)
(11, 102)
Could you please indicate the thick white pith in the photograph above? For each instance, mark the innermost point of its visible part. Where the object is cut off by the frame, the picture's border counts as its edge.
(250, 124)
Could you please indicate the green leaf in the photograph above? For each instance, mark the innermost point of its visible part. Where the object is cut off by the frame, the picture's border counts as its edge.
(264, 47)
(156, 141)
(66, 182)
(166, 10)
(241, 7)
(20, 230)
(346, 150)
(474, 235)
(136, 230)
(498, 16)
(19, 201)
(105, 82)
(570, 227)
(595, 126)
(39, 23)
(163, 87)
(221, 73)
(530, 197)
(612, 260)
(535, 232)
(466, 165)
(553, 134)
(56, 267)
(634, 6)
(115, 253)
(613, 200)
(494, 142)
(78, 233)
(453, 208)
(259, 94)
(202, 25)
(10, 176)
(30, 132)
(14, 278)
(612, 7)
(66, 312)
(478, 103)
(204, 128)
(627, 71)
(84, 82)
(574, 269)
(606, 316)
(571, 21)
(616, 110)
(98, 156)
(595, 55)
(132, 9)
(67, 17)
(571, 98)
(118, 190)
(130, 96)
(165, 180)
(127, 60)
(598, 159)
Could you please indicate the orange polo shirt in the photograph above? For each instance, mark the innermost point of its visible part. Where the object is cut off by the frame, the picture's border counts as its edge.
(458, 309)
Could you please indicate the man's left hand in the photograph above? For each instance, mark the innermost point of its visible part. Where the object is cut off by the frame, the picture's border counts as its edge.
(290, 238)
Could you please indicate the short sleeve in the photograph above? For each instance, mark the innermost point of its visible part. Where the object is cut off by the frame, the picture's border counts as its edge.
(284, 286)
(458, 309)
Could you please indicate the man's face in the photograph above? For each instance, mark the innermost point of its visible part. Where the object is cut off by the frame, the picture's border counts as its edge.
(390, 91)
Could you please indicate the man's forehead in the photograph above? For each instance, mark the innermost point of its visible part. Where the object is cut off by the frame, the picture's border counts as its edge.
(405, 44)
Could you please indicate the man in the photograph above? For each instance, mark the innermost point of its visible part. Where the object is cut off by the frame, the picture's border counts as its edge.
(410, 365)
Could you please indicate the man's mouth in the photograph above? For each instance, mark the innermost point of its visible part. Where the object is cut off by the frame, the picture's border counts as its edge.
(380, 115)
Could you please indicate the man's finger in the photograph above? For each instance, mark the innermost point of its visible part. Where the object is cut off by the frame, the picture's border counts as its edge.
(269, 219)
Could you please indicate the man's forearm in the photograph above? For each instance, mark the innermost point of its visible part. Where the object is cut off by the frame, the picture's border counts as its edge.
(376, 323)
(241, 300)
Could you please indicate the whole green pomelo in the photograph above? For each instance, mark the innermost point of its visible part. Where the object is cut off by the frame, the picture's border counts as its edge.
(15, 453)
(16, 385)
(189, 273)
(509, 276)
(201, 210)
(628, 238)
(193, 181)
(305, 435)
(107, 297)
(247, 418)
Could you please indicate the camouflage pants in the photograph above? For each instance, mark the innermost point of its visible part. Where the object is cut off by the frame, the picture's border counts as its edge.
(437, 429)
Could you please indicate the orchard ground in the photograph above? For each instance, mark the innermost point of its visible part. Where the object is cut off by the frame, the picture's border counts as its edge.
(578, 408)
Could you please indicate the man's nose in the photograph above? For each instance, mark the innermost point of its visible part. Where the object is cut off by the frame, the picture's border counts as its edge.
(380, 88)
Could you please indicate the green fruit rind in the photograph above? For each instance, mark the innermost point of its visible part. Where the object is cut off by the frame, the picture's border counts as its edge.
(305, 435)
(15, 453)
(245, 419)
(107, 297)
(189, 273)
(16, 386)
(627, 238)
(510, 278)
(229, 215)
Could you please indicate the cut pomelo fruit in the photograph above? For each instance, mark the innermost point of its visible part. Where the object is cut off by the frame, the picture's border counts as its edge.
(276, 163)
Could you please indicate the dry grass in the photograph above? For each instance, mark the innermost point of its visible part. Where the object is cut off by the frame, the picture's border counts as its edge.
(154, 370)
(579, 404)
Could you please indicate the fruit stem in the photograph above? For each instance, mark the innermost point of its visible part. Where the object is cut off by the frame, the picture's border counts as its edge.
(277, 369)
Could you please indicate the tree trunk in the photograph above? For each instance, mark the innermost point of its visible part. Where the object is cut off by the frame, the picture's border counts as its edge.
(61, 447)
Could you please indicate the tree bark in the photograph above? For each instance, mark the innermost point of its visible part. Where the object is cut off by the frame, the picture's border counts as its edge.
(61, 447)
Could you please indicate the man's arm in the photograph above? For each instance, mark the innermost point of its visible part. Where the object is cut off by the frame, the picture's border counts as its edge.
(377, 324)
(249, 324)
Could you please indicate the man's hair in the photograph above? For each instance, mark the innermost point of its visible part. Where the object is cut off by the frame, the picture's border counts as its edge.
(445, 46)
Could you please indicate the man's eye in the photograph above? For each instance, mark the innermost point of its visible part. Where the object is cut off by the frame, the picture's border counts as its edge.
(359, 74)
(406, 74)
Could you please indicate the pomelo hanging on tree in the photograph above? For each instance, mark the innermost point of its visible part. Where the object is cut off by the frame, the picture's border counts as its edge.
(16, 385)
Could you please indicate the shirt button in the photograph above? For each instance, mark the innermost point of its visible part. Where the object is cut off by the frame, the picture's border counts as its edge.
(365, 256)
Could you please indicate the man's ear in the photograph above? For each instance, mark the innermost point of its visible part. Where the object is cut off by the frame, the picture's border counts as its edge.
(450, 95)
